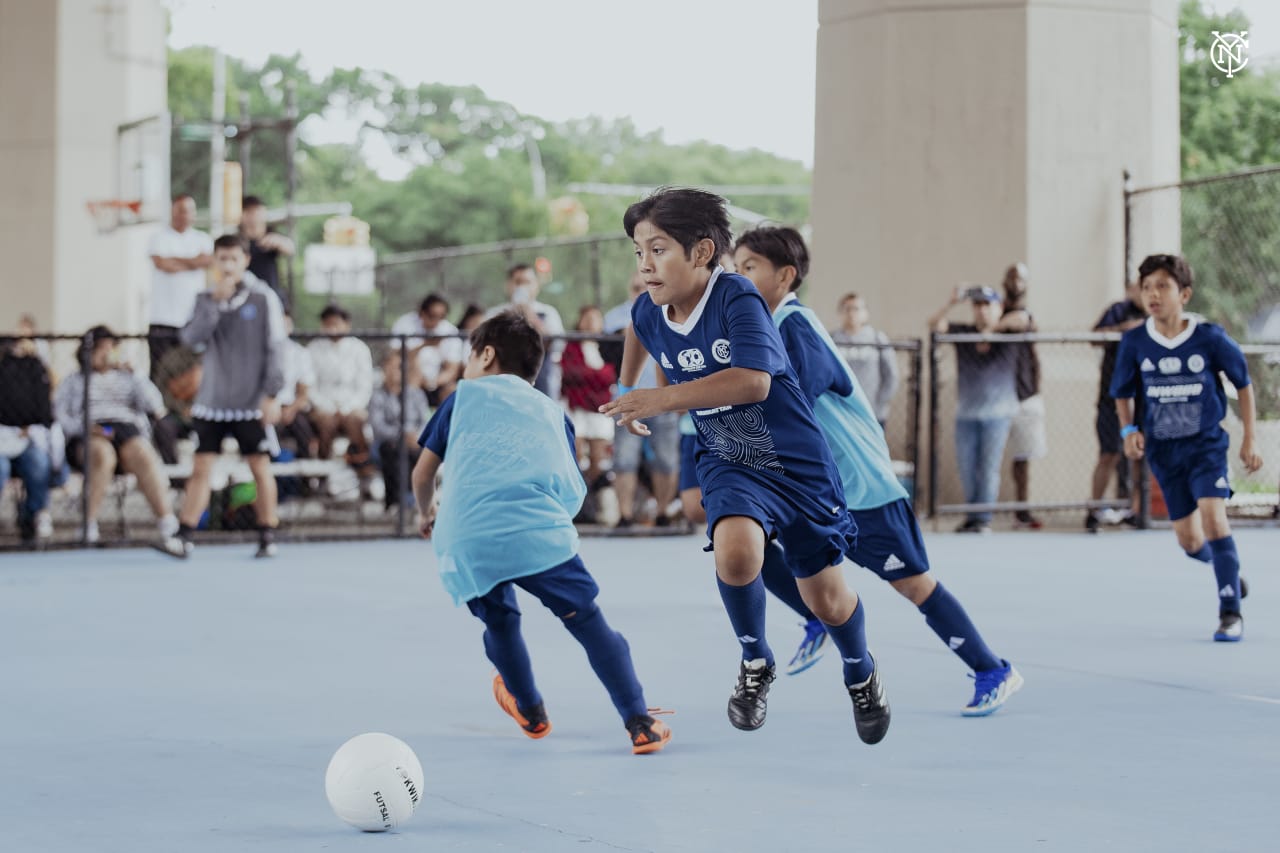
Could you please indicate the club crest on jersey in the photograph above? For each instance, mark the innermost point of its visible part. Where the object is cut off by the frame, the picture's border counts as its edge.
(1147, 365)
(692, 360)
(720, 351)
(1170, 364)
(1195, 363)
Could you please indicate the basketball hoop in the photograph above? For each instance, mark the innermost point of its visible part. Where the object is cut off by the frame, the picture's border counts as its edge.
(110, 213)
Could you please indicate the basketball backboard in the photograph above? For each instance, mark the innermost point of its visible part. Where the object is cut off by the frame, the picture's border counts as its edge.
(142, 174)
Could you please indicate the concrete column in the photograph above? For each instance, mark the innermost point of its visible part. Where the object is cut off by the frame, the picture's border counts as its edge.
(955, 137)
(70, 73)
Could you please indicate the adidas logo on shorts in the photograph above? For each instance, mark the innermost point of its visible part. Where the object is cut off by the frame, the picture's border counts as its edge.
(1222, 483)
(955, 643)
(893, 563)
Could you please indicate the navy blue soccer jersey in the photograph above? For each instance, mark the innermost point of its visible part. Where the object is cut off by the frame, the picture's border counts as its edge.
(1178, 378)
(776, 441)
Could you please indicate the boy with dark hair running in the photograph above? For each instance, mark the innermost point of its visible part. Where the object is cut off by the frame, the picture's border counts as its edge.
(1172, 362)
(889, 541)
(505, 520)
(764, 466)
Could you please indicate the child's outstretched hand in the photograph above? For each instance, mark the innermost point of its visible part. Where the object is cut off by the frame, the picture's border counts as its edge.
(632, 407)
(1252, 461)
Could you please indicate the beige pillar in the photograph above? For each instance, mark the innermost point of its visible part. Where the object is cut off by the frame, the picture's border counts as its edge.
(70, 73)
(953, 138)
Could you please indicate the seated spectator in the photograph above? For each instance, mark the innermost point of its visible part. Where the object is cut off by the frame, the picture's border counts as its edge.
(389, 434)
(28, 344)
(344, 382)
(438, 360)
(587, 380)
(25, 405)
(875, 367)
(472, 316)
(121, 404)
(986, 400)
(295, 397)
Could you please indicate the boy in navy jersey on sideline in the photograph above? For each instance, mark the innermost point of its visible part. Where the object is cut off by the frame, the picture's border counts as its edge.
(506, 519)
(764, 467)
(1173, 361)
(889, 541)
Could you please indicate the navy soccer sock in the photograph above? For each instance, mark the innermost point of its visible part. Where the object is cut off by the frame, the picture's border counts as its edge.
(1226, 568)
(610, 657)
(505, 648)
(945, 615)
(1204, 555)
(745, 606)
(851, 639)
(779, 581)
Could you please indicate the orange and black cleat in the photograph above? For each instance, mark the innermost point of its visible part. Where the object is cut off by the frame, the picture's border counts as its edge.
(533, 721)
(648, 734)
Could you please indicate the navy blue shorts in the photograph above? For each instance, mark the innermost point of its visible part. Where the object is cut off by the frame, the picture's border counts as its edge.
(814, 533)
(889, 541)
(1190, 469)
(688, 466)
(563, 589)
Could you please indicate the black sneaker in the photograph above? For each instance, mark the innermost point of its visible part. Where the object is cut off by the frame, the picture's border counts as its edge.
(870, 709)
(1091, 522)
(185, 539)
(266, 542)
(748, 704)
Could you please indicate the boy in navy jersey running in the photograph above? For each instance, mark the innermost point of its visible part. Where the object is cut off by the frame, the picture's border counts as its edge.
(1173, 361)
(889, 541)
(765, 469)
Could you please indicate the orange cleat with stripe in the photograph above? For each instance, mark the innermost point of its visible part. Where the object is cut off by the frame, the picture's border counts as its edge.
(533, 721)
(648, 734)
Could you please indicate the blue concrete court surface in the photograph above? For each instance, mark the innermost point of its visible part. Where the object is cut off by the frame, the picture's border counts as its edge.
(153, 705)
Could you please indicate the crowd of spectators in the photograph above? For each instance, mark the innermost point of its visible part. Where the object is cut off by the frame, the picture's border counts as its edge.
(340, 402)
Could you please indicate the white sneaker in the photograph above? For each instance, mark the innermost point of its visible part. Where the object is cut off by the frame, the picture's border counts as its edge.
(44, 524)
(168, 526)
(91, 534)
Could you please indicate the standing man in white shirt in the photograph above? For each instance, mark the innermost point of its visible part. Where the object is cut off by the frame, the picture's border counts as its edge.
(439, 360)
(522, 293)
(179, 256)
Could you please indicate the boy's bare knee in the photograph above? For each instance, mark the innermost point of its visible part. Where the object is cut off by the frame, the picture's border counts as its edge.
(916, 588)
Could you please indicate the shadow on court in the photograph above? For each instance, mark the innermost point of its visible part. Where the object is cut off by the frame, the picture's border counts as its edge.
(152, 705)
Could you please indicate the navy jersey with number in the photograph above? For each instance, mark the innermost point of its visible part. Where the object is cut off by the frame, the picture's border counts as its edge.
(1177, 378)
(776, 441)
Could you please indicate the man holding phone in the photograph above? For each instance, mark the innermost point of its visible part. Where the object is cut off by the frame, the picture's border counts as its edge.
(986, 399)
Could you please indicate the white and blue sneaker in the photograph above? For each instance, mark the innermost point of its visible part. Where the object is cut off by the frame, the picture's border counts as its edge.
(811, 647)
(992, 688)
(1230, 628)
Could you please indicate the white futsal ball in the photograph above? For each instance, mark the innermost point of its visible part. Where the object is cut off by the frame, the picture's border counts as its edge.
(374, 782)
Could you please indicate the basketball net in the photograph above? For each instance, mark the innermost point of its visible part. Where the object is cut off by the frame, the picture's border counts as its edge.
(110, 213)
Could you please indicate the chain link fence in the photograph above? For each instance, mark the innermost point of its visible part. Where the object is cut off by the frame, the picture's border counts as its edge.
(1077, 429)
(1229, 228)
(134, 469)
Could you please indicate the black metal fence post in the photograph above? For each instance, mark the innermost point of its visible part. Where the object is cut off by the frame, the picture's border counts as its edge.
(86, 371)
(402, 452)
(933, 425)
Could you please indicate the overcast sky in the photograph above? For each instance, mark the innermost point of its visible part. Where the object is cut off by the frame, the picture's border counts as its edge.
(697, 69)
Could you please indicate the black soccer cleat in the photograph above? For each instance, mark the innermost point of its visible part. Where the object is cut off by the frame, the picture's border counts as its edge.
(870, 708)
(749, 702)
(266, 542)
